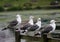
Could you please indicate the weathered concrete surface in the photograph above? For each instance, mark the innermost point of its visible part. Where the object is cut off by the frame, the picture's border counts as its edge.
(6, 36)
(10, 39)
(2, 36)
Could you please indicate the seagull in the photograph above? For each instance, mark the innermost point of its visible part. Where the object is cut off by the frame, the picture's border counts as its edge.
(50, 28)
(36, 26)
(14, 22)
(29, 24)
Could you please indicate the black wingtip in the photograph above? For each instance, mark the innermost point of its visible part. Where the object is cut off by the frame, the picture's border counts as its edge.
(23, 31)
(3, 29)
(37, 34)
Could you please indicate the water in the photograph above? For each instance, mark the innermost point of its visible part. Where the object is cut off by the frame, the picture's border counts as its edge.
(6, 17)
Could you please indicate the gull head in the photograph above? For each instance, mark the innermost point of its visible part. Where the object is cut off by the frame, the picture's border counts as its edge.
(31, 17)
(52, 21)
(39, 19)
(18, 15)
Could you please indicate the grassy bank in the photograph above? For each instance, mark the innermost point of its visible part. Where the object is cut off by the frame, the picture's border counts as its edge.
(21, 2)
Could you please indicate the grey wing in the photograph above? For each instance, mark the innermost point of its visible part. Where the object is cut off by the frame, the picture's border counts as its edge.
(34, 27)
(25, 26)
(47, 29)
(13, 23)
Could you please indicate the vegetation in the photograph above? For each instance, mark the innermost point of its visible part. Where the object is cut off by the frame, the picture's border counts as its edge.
(14, 9)
(1, 9)
(22, 2)
(15, 5)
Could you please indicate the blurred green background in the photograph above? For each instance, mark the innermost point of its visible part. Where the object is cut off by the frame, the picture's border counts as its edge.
(21, 2)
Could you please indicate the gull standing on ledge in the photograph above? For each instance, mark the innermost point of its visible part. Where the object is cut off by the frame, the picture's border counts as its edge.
(29, 24)
(50, 28)
(36, 26)
(14, 22)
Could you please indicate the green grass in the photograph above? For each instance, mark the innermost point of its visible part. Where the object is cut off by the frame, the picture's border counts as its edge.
(21, 2)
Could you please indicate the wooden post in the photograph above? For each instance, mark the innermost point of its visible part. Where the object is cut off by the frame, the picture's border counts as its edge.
(17, 36)
(45, 39)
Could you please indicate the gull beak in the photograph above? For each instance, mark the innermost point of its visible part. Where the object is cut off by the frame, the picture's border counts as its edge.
(55, 21)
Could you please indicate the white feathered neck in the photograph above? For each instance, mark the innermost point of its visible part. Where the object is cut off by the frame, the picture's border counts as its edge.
(31, 21)
(53, 25)
(19, 18)
(39, 22)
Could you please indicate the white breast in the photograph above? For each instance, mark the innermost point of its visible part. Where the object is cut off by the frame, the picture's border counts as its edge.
(54, 27)
(39, 23)
(31, 22)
